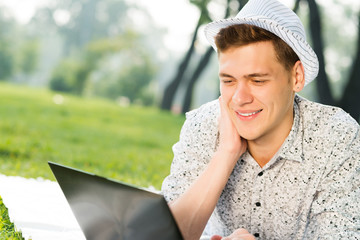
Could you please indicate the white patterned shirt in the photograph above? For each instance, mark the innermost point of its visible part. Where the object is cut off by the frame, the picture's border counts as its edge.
(310, 189)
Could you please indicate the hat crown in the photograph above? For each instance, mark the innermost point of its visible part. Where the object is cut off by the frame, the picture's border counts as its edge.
(275, 11)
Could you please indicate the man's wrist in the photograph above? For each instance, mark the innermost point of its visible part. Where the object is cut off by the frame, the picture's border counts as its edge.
(226, 158)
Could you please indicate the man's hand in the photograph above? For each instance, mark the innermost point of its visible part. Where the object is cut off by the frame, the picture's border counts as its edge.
(239, 234)
(230, 140)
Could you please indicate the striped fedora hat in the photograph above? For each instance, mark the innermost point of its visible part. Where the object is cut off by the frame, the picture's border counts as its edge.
(275, 17)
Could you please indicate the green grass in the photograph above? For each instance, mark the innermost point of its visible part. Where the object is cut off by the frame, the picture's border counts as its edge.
(131, 144)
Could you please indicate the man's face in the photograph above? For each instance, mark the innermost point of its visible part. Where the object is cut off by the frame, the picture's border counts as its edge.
(258, 91)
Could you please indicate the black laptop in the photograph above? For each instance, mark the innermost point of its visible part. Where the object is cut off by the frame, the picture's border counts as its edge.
(109, 210)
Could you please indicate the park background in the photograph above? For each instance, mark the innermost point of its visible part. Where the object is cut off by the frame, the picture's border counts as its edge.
(103, 85)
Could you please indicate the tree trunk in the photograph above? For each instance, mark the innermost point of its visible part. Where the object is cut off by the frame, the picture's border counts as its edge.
(350, 101)
(189, 90)
(199, 69)
(323, 86)
(296, 6)
(170, 90)
(242, 3)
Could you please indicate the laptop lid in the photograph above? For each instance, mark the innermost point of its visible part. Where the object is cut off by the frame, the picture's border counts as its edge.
(106, 209)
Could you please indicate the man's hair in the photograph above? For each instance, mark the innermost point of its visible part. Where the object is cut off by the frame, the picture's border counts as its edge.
(244, 34)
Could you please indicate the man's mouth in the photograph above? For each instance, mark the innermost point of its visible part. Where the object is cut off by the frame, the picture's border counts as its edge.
(248, 114)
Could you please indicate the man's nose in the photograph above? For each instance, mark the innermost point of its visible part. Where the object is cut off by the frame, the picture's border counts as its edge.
(242, 94)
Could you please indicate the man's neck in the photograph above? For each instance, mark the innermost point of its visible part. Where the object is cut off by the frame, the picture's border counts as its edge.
(263, 153)
(263, 150)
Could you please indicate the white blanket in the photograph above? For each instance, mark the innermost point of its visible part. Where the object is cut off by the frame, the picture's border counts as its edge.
(39, 209)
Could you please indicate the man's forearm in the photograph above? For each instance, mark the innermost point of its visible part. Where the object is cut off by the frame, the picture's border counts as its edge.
(194, 208)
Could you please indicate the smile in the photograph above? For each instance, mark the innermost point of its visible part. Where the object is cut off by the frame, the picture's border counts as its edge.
(248, 114)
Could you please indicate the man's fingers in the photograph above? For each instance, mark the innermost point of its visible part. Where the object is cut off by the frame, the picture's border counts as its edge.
(240, 231)
(216, 237)
(239, 234)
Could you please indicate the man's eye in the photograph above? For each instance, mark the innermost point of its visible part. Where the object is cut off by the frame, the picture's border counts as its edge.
(259, 81)
(227, 81)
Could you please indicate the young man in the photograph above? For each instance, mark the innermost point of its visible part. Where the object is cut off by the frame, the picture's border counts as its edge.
(262, 162)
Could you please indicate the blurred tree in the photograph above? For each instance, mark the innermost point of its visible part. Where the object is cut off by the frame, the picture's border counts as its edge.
(349, 98)
(131, 79)
(124, 71)
(170, 90)
(6, 60)
(322, 81)
(7, 26)
(28, 56)
(110, 67)
(94, 36)
(83, 21)
(195, 76)
(65, 76)
(79, 22)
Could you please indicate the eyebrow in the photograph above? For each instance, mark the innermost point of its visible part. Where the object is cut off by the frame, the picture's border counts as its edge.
(225, 75)
(252, 75)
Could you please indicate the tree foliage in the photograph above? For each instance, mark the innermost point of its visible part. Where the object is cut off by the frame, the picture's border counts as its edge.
(18, 53)
(6, 48)
(80, 22)
(124, 71)
(110, 67)
(101, 52)
(28, 57)
(65, 76)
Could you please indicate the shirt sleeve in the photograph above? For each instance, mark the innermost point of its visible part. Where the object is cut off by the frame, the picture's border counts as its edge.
(193, 151)
(335, 211)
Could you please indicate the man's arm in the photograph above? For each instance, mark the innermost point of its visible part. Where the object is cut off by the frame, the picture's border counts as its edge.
(193, 209)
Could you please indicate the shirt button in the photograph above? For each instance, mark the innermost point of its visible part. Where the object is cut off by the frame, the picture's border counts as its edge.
(256, 235)
(260, 174)
(258, 204)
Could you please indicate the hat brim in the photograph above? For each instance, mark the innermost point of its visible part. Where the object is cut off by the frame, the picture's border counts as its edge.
(305, 53)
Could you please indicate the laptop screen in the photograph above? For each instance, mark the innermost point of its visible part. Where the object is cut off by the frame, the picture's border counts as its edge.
(107, 209)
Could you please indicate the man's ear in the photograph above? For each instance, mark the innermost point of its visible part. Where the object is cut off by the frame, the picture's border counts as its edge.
(298, 76)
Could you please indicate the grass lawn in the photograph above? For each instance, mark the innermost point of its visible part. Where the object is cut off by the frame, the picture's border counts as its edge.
(131, 144)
